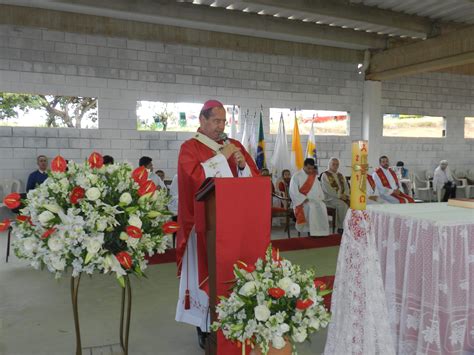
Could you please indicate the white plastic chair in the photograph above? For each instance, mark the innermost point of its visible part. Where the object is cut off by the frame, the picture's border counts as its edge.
(469, 187)
(422, 188)
(8, 186)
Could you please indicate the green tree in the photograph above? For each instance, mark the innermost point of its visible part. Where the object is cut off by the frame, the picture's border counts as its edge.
(62, 111)
(162, 118)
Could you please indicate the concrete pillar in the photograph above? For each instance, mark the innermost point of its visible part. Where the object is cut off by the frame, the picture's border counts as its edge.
(372, 122)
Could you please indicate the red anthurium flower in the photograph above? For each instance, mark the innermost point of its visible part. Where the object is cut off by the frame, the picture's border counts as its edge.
(140, 175)
(276, 292)
(276, 255)
(243, 266)
(146, 188)
(58, 164)
(170, 227)
(133, 232)
(21, 218)
(48, 233)
(319, 284)
(4, 225)
(12, 200)
(124, 259)
(77, 193)
(96, 160)
(302, 305)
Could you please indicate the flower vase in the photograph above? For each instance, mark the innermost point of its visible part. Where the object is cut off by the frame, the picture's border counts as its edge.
(286, 350)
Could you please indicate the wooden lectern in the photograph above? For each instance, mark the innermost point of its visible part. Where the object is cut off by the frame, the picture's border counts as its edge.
(237, 220)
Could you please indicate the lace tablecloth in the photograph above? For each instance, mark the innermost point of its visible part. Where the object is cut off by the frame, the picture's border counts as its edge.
(421, 258)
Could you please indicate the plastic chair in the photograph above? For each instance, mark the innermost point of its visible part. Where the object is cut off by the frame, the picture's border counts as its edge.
(8, 186)
(422, 188)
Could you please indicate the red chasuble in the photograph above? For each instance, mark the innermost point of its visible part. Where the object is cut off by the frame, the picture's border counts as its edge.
(190, 177)
(402, 198)
(305, 189)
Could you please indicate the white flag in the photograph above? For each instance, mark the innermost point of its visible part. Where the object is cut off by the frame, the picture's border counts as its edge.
(281, 154)
(233, 126)
(250, 142)
(245, 134)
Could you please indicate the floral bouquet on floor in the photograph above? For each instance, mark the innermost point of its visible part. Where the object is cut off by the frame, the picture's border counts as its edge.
(92, 218)
(272, 302)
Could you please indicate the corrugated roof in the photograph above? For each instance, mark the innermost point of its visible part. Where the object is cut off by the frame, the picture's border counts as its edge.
(461, 11)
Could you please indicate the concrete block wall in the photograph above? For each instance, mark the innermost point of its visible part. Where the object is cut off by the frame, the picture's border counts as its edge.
(433, 94)
(120, 72)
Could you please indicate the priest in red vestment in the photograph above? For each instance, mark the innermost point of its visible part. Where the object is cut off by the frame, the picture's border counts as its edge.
(388, 185)
(208, 154)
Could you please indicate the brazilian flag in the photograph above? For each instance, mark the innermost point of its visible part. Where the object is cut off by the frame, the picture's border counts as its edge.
(260, 158)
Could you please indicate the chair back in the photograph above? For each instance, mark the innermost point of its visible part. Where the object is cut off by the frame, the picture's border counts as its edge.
(429, 174)
(8, 186)
(459, 173)
(419, 182)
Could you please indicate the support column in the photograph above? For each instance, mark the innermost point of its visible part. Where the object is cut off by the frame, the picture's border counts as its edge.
(372, 121)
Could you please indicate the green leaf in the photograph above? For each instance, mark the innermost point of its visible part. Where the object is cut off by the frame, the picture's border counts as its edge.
(88, 258)
(324, 292)
(121, 281)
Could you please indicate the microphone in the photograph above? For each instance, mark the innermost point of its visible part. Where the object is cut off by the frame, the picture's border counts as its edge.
(223, 137)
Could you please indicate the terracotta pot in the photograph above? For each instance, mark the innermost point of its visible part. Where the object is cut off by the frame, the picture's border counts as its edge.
(287, 350)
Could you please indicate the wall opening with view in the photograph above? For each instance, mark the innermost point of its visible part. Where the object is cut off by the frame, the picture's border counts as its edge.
(469, 127)
(176, 116)
(334, 123)
(406, 125)
(38, 110)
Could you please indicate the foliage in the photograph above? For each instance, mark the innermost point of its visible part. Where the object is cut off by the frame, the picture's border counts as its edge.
(62, 111)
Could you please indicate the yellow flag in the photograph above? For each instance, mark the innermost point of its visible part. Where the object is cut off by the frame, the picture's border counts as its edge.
(296, 149)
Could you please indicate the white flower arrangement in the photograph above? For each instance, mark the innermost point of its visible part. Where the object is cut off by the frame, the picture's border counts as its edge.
(272, 302)
(91, 218)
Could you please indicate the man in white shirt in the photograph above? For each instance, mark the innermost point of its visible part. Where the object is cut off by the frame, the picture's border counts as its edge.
(443, 179)
(388, 185)
(147, 162)
(307, 197)
(173, 204)
(336, 191)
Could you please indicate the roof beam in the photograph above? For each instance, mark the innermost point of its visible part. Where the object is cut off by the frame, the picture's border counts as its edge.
(347, 10)
(139, 30)
(453, 49)
(168, 12)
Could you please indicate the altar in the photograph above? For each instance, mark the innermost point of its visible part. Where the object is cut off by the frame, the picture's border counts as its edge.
(421, 258)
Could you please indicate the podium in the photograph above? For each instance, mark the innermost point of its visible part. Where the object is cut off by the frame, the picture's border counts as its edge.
(237, 222)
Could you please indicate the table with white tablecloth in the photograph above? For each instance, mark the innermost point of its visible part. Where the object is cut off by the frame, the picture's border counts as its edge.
(421, 257)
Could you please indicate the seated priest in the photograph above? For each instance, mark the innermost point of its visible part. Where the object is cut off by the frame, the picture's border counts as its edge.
(208, 154)
(443, 181)
(336, 191)
(38, 176)
(404, 178)
(308, 201)
(283, 183)
(373, 195)
(388, 184)
(266, 172)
